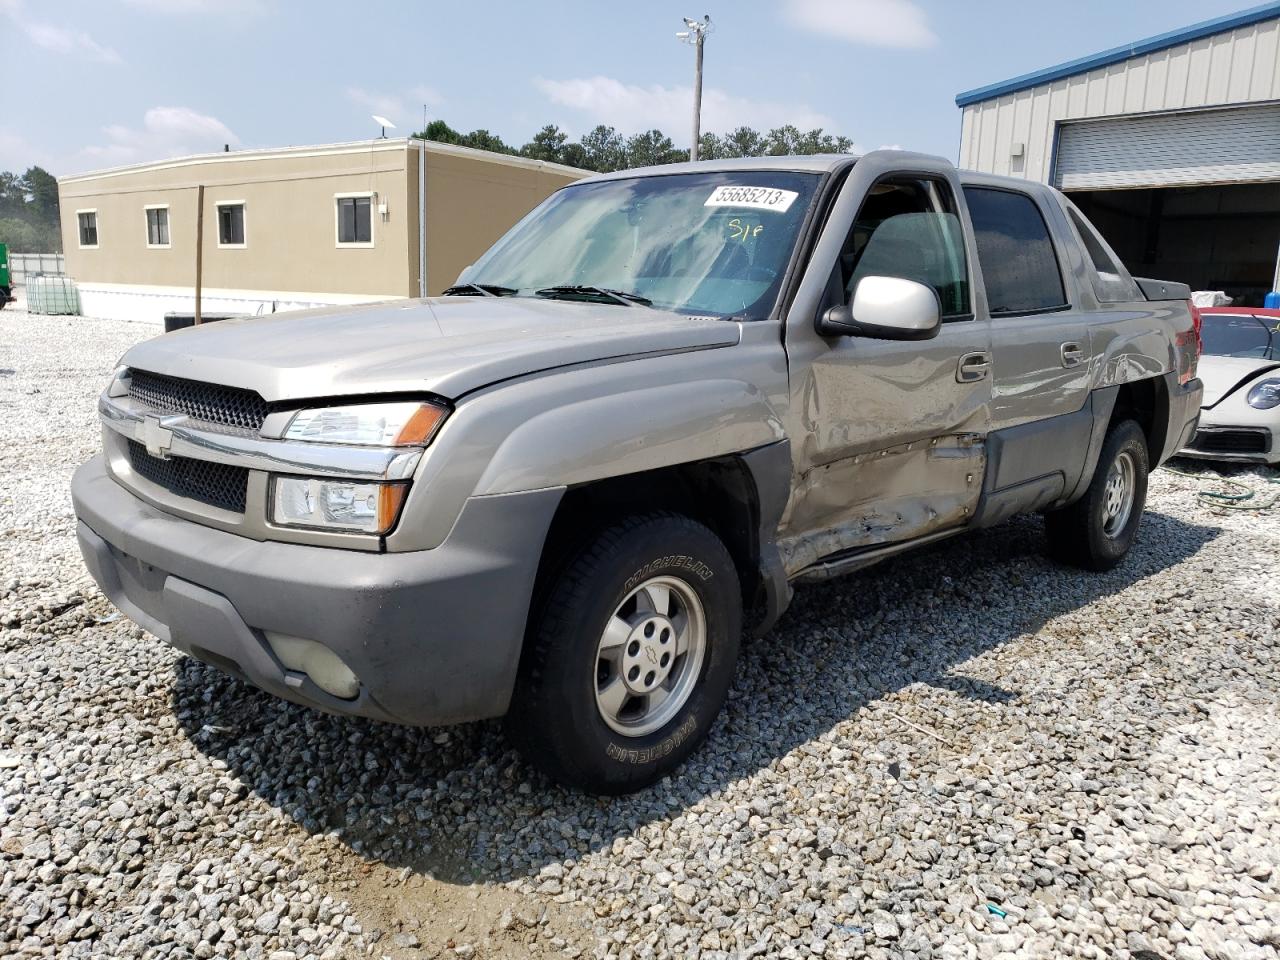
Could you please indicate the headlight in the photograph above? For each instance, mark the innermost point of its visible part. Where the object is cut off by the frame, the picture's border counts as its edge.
(402, 423)
(1266, 394)
(336, 504)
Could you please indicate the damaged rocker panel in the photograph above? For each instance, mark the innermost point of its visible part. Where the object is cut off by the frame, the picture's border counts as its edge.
(884, 497)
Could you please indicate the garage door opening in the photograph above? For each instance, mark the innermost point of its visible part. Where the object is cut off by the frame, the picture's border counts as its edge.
(1212, 238)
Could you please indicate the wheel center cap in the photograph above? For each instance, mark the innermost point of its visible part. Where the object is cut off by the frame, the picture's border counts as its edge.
(649, 653)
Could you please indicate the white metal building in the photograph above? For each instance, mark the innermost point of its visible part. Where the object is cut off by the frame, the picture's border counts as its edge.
(1171, 145)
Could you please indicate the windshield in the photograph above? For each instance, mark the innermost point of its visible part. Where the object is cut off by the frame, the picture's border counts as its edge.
(1241, 335)
(695, 243)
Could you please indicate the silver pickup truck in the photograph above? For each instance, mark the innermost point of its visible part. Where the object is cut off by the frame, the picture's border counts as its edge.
(563, 491)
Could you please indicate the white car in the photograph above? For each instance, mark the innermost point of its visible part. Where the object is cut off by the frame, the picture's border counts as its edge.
(1240, 368)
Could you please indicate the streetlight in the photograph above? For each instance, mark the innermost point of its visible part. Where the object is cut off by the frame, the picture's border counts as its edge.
(696, 36)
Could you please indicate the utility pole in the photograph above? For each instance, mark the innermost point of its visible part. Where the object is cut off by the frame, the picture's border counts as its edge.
(696, 36)
(199, 252)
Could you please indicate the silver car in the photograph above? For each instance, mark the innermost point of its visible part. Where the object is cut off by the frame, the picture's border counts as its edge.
(1240, 368)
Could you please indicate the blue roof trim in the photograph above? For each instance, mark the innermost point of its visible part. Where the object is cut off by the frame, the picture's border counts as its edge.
(1116, 54)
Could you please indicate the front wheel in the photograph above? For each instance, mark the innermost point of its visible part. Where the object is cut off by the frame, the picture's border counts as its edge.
(1097, 530)
(630, 655)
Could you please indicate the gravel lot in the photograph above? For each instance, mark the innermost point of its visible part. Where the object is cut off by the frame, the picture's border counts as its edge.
(969, 752)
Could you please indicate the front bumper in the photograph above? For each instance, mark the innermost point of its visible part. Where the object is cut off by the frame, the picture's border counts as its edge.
(434, 636)
(1234, 432)
(1232, 444)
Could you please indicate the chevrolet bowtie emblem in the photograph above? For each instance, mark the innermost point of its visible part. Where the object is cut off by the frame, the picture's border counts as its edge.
(157, 434)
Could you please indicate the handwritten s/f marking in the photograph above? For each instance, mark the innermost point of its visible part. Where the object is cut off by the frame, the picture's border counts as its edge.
(742, 231)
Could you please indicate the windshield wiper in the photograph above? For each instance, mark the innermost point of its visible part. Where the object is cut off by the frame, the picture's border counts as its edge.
(569, 291)
(483, 289)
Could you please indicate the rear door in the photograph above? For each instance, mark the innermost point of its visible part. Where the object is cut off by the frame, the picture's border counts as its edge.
(1039, 337)
(1040, 350)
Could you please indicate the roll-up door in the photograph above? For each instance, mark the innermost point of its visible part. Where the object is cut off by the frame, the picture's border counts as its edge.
(1237, 145)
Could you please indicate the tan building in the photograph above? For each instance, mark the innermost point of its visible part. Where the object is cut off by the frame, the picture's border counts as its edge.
(293, 227)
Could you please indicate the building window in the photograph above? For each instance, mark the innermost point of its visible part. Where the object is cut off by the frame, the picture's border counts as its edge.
(88, 222)
(1019, 263)
(157, 226)
(355, 220)
(231, 224)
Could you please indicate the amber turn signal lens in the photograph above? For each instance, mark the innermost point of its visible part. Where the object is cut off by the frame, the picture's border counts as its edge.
(390, 500)
(421, 427)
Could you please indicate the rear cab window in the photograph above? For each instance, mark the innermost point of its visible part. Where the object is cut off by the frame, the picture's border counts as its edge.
(1111, 281)
(1019, 262)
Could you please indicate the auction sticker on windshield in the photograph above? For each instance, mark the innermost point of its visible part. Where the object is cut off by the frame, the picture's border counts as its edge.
(756, 198)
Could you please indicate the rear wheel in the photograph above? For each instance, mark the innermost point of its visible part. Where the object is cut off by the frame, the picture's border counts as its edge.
(630, 655)
(1097, 530)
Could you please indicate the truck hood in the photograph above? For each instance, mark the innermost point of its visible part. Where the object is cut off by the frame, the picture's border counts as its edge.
(447, 346)
(1221, 375)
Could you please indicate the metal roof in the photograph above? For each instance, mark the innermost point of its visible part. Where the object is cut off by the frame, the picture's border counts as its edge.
(1196, 31)
(350, 146)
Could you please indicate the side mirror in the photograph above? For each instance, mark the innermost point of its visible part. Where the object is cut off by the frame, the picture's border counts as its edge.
(887, 308)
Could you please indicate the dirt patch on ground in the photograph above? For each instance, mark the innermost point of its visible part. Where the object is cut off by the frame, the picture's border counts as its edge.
(414, 916)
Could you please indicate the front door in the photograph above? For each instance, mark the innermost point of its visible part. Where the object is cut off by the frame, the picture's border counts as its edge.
(887, 435)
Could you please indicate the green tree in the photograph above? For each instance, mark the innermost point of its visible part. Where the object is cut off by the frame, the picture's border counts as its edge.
(652, 148)
(604, 150)
(440, 132)
(484, 140)
(743, 142)
(574, 155)
(42, 195)
(711, 147)
(783, 141)
(547, 144)
(24, 237)
(815, 141)
(13, 198)
(29, 211)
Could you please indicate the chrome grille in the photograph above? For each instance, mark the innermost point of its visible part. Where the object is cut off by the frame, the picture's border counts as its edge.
(217, 484)
(207, 402)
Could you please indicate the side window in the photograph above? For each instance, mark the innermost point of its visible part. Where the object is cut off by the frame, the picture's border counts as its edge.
(908, 227)
(231, 224)
(1111, 281)
(355, 221)
(87, 221)
(1019, 263)
(157, 226)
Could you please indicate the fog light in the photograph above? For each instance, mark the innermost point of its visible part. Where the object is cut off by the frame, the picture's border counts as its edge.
(322, 665)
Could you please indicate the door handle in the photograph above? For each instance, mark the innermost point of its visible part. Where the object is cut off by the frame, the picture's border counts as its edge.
(973, 367)
(1072, 354)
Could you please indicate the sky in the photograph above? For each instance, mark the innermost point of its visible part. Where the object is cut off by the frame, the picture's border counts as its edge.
(100, 83)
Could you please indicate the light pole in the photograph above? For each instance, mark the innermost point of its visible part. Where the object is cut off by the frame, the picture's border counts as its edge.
(696, 36)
